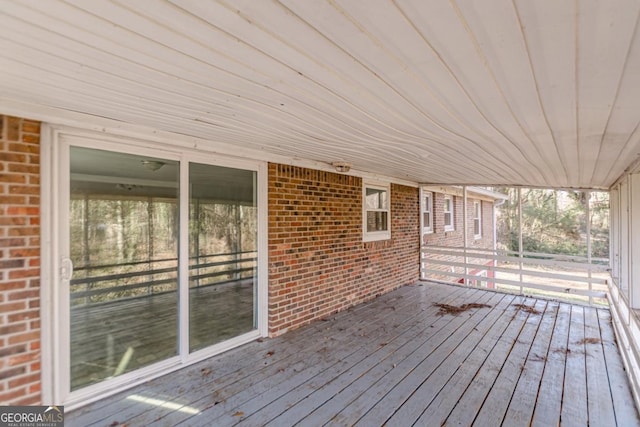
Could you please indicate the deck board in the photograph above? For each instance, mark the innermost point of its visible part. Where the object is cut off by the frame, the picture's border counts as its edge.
(433, 372)
(600, 402)
(291, 406)
(396, 361)
(504, 387)
(523, 399)
(475, 395)
(574, 397)
(390, 392)
(549, 401)
(441, 404)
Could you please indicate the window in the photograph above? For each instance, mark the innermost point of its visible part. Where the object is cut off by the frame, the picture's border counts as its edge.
(375, 215)
(448, 213)
(477, 219)
(427, 212)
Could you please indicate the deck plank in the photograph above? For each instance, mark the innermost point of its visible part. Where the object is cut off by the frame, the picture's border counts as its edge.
(600, 402)
(395, 361)
(453, 376)
(503, 357)
(574, 397)
(523, 400)
(299, 402)
(440, 406)
(284, 374)
(497, 402)
(366, 391)
(424, 363)
(549, 400)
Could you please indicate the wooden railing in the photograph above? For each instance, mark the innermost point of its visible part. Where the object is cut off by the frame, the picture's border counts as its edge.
(527, 272)
(107, 283)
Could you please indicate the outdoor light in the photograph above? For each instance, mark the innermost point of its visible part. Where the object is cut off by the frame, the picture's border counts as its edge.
(342, 167)
(152, 165)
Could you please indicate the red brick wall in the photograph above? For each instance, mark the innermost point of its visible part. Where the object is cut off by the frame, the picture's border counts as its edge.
(455, 238)
(318, 264)
(439, 237)
(19, 261)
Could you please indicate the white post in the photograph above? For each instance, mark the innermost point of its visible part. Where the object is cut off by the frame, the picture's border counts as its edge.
(464, 231)
(587, 195)
(520, 256)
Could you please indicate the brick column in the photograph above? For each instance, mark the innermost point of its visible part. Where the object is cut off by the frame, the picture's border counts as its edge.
(19, 261)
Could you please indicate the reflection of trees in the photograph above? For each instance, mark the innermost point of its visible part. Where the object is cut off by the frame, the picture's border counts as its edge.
(555, 221)
(117, 235)
(109, 230)
(222, 228)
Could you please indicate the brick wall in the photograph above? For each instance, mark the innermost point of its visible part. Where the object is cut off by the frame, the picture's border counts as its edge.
(455, 238)
(318, 264)
(19, 261)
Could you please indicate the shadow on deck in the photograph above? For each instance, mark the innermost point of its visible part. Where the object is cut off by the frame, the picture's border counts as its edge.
(398, 360)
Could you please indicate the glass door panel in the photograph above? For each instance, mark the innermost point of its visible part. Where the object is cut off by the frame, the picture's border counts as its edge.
(123, 224)
(222, 253)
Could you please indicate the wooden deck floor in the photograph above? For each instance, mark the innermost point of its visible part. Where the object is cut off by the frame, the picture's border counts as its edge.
(396, 361)
(102, 333)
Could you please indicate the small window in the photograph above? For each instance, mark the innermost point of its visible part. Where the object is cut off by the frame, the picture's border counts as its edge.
(427, 212)
(477, 220)
(376, 215)
(448, 213)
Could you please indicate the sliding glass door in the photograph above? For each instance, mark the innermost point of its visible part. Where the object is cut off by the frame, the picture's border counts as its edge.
(160, 260)
(222, 253)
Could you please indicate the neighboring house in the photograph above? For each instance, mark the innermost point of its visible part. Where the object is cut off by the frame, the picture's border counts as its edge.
(443, 225)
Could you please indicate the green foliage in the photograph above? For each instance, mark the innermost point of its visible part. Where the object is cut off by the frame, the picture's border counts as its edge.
(555, 222)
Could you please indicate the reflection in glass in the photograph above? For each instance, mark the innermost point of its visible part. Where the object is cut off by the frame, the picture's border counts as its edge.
(222, 251)
(123, 224)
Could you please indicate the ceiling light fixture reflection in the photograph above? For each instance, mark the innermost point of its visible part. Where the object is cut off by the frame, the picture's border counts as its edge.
(152, 165)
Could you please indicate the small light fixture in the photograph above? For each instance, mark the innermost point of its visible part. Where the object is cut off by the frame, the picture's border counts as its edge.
(342, 167)
(152, 165)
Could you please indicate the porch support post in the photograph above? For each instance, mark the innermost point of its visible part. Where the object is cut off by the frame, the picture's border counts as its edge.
(587, 195)
(464, 232)
(520, 256)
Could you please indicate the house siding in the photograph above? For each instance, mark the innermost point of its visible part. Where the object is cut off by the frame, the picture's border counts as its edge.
(19, 261)
(455, 238)
(318, 263)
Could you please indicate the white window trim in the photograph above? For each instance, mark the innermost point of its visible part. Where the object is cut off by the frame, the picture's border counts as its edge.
(375, 235)
(424, 208)
(452, 226)
(477, 215)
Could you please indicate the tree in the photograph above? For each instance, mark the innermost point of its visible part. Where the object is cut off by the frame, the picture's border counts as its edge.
(555, 221)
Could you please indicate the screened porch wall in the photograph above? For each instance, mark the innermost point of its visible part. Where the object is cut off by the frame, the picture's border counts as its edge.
(624, 288)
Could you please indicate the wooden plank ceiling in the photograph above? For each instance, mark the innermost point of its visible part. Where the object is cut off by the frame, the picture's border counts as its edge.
(521, 92)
